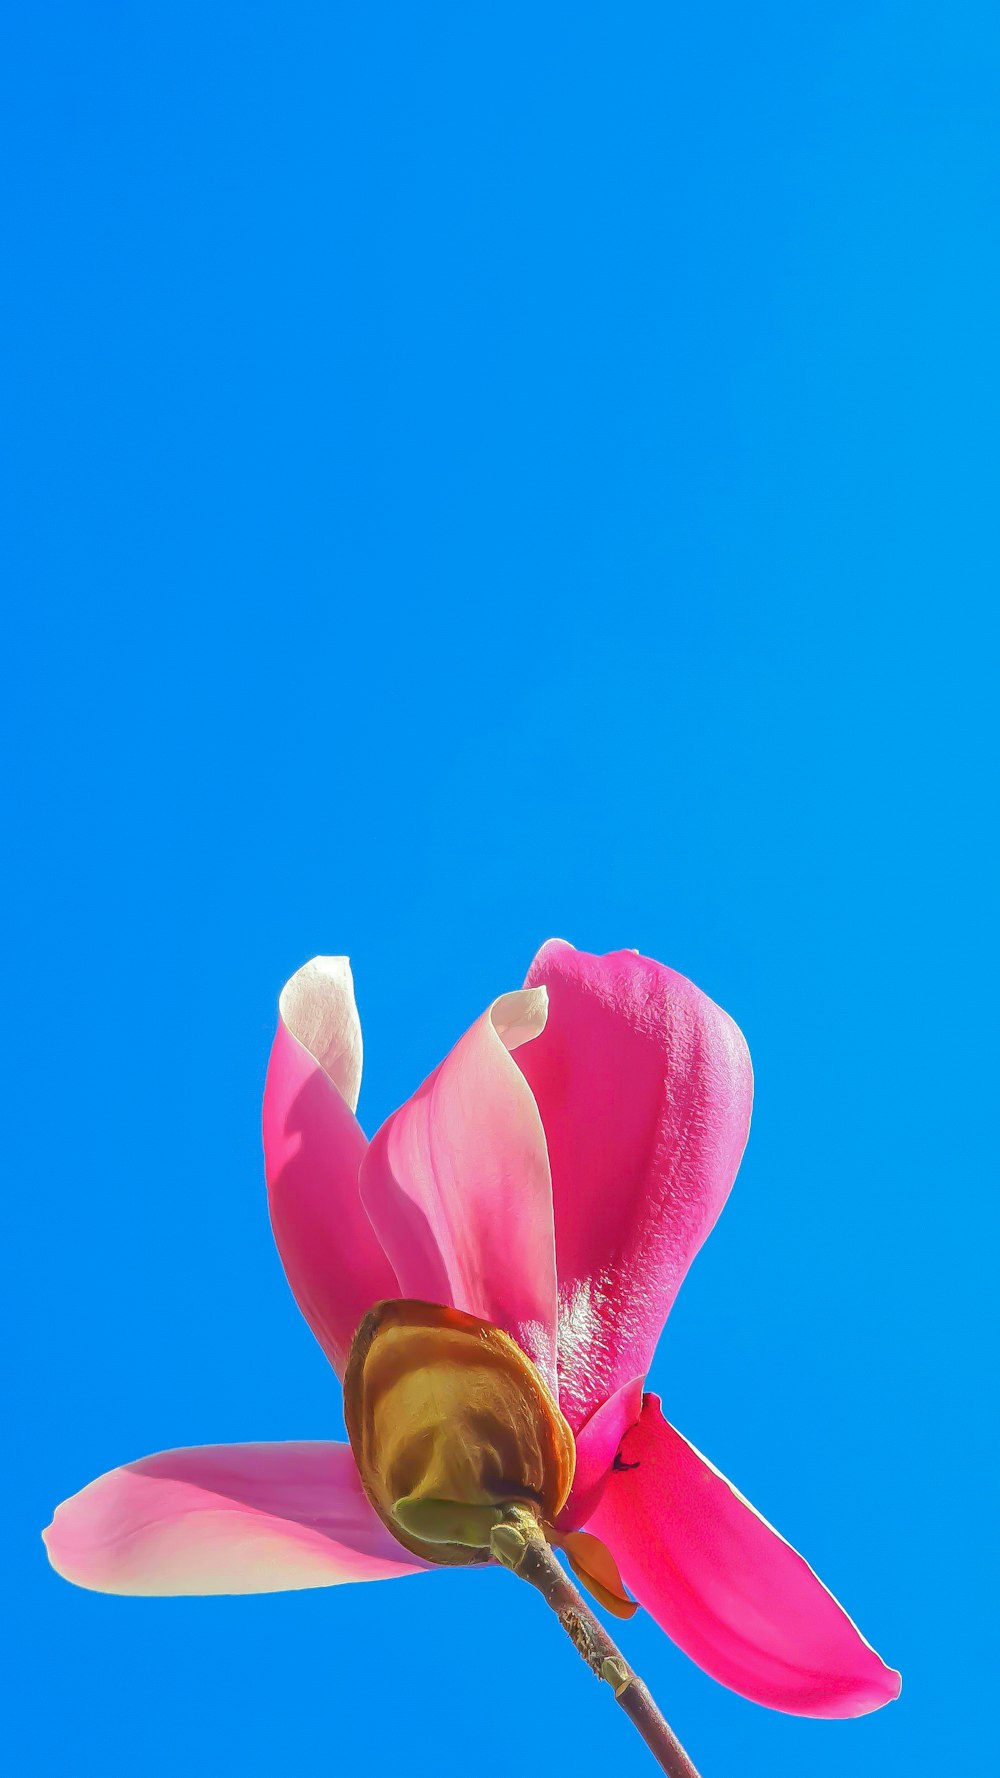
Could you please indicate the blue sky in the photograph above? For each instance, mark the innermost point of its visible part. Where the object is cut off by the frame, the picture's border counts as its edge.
(473, 474)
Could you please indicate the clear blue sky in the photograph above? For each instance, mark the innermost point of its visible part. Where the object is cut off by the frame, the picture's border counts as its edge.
(478, 473)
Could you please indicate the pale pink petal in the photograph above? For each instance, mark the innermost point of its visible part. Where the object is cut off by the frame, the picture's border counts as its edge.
(313, 1147)
(457, 1184)
(317, 1004)
(225, 1519)
(722, 1583)
(644, 1088)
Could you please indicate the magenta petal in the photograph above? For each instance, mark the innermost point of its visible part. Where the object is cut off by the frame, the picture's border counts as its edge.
(225, 1519)
(597, 1444)
(644, 1088)
(313, 1148)
(726, 1587)
(457, 1184)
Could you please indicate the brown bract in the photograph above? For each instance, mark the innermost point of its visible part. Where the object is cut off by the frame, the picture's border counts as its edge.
(450, 1424)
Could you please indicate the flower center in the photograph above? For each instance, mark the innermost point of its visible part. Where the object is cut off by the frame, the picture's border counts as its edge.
(451, 1425)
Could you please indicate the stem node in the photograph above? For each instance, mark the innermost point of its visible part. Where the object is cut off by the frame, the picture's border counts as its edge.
(614, 1670)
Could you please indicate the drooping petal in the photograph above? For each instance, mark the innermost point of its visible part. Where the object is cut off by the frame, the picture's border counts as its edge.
(726, 1587)
(457, 1184)
(313, 1148)
(225, 1519)
(644, 1088)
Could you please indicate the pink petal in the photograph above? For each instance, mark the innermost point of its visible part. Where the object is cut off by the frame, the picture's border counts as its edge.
(644, 1088)
(597, 1444)
(726, 1587)
(225, 1519)
(457, 1184)
(313, 1147)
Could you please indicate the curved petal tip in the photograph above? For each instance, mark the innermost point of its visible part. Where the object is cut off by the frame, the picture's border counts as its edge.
(317, 1006)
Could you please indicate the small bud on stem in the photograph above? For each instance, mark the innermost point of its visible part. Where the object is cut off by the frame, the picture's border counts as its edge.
(616, 1673)
(509, 1545)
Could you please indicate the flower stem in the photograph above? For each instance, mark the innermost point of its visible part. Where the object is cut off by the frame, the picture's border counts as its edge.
(520, 1545)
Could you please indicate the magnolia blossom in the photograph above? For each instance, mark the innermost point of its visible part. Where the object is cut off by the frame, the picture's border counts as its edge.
(489, 1278)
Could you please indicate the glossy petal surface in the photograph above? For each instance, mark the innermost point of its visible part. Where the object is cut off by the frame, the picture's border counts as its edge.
(313, 1148)
(726, 1587)
(644, 1087)
(225, 1519)
(457, 1184)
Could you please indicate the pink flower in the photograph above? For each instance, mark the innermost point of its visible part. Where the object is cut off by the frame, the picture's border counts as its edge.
(553, 1178)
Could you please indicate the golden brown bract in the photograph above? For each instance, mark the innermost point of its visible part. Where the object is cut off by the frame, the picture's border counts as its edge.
(450, 1423)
